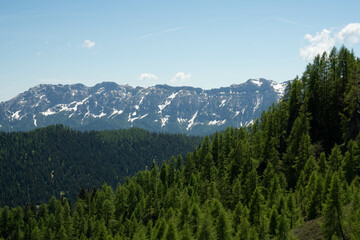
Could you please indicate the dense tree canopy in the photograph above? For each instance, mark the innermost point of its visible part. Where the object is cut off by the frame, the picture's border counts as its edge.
(59, 161)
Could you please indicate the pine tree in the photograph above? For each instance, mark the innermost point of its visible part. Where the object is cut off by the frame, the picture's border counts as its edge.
(189, 167)
(171, 233)
(161, 229)
(179, 162)
(351, 161)
(223, 227)
(256, 207)
(333, 213)
(322, 163)
(314, 207)
(186, 233)
(251, 183)
(215, 149)
(195, 219)
(164, 173)
(36, 233)
(273, 222)
(171, 171)
(335, 158)
(206, 230)
(208, 164)
(283, 228)
(108, 211)
(354, 220)
(140, 233)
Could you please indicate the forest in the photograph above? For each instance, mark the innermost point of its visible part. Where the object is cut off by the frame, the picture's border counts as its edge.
(58, 161)
(295, 165)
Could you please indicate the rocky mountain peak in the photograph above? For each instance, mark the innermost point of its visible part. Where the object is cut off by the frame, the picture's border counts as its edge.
(108, 105)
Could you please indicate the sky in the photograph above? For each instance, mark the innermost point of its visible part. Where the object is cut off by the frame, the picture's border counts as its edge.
(200, 43)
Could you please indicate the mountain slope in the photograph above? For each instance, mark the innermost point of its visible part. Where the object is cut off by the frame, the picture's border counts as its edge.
(159, 108)
(38, 164)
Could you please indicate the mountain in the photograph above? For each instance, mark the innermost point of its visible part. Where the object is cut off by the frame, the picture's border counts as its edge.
(108, 105)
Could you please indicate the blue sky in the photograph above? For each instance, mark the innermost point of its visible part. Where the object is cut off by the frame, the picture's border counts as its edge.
(204, 44)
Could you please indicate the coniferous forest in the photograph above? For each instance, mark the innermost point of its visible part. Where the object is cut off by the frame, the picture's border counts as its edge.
(295, 166)
(58, 161)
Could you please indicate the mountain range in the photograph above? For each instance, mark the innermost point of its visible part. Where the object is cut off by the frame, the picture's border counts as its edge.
(108, 105)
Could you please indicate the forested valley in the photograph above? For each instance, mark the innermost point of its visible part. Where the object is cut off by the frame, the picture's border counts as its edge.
(298, 163)
(58, 161)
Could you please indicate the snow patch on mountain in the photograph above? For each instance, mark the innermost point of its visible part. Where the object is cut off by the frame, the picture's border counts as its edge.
(236, 114)
(192, 121)
(137, 106)
(279, 87)
(258, 102)
(216, 122)
(257, 82)
(115, 112)
(164, 120)
(35, 124)
(181, 120)
(167, 102)
(130, 119)
(249, 123)
(99, 116)
(48, 112)
(16, 115)
(222, 103)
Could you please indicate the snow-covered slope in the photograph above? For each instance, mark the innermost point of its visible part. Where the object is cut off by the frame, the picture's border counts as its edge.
(158, 108)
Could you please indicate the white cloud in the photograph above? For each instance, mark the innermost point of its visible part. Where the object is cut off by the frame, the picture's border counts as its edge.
(147, 76)
(320, 43)
(326, 40)
(350, 33)
(88, 44)
(180, 77)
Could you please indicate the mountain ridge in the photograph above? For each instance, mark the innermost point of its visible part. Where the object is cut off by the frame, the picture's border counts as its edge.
(164, 108)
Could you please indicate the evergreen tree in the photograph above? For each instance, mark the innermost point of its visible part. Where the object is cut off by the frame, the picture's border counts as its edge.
(273, 222)
(283, 228)
(223, 227)
(206, 230)
(354, 220)
(351, 161)
(256, 207)
(333, 212)
(335, 158)
(171, 233)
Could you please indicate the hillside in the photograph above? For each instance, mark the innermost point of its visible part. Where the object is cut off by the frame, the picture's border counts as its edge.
(160, 108)
(59, 161)
(259, 182)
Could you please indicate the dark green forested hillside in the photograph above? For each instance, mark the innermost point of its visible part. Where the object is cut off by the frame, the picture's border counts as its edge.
(57, 161)
(298, 162)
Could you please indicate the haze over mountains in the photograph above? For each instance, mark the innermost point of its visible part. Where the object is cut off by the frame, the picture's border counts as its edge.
(108, 105)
